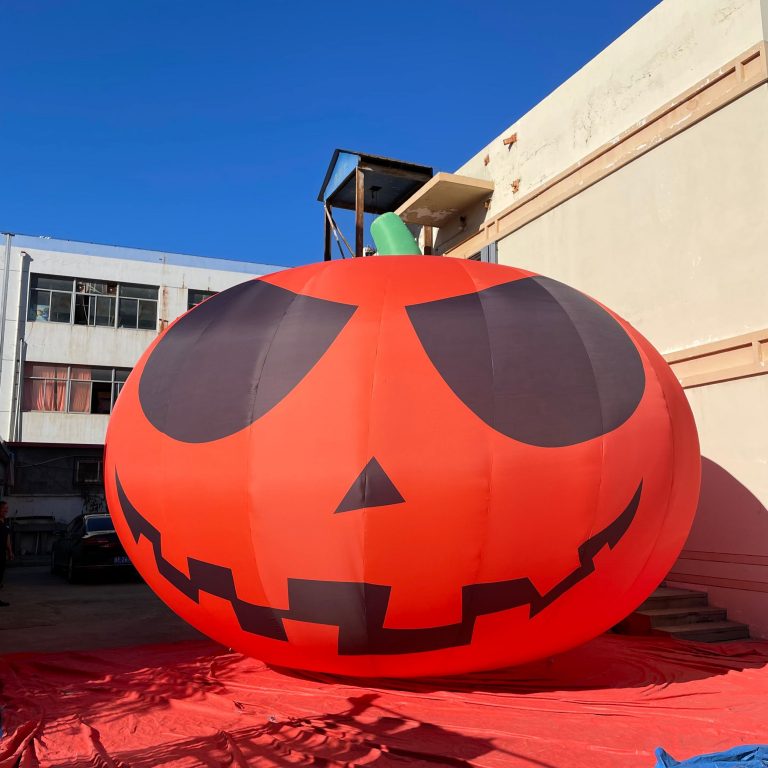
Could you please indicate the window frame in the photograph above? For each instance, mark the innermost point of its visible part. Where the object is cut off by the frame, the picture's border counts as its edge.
(141, 301)
(190, 291)
(93, 300)
(99, 530)
(81, 460)
(116, 386)
(117, 300)
(488, 254)
(50, 292)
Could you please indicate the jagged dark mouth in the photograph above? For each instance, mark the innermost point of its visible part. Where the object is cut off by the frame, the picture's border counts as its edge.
(359, 609)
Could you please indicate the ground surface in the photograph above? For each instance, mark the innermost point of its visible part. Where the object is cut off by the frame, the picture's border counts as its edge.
(608, 704)
(49, 614)
(80, 687)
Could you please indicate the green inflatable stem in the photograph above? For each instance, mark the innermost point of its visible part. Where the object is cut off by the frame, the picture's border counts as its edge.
(392, 237)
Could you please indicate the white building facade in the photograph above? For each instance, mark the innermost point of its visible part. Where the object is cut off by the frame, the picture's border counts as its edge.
(76, 318)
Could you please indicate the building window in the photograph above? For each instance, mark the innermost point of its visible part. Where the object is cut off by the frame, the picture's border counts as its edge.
(88, 471)
(45, 387)
(195, 297)
(488, 254)
(90, 302)
(137, 307)
(50, 299)
(95, 303)
(72, 388)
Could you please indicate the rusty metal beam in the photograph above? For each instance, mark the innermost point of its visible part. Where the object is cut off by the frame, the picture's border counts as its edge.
(428, 241)
(359, 210)
(327, 234)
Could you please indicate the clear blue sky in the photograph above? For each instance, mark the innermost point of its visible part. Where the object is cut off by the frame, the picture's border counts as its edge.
(205, 126)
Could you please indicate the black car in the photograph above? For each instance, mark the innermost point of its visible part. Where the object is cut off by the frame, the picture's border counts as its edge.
(89, 545)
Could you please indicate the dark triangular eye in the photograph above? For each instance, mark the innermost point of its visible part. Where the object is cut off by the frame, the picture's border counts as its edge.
(234, 357)
(534, 359)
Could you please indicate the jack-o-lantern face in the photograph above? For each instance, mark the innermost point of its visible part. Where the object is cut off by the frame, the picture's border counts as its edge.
(402, 466)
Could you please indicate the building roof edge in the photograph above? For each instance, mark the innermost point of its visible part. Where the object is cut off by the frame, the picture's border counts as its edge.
(141, 254)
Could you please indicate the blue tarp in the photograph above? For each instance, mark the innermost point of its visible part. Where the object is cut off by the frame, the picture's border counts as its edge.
(749, 756)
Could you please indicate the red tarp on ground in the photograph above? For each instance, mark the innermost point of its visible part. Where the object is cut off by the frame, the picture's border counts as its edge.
(606, 704)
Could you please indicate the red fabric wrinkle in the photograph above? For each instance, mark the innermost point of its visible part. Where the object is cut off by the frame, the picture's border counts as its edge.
(607, 703)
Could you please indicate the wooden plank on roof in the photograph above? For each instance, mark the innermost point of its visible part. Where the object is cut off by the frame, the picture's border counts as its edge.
(444, 196)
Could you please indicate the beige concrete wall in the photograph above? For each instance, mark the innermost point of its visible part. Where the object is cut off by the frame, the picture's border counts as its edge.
(675, 241)
(677, 44)
(727, 551)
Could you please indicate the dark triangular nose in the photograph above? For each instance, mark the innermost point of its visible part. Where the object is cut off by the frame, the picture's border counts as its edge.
(372, 488)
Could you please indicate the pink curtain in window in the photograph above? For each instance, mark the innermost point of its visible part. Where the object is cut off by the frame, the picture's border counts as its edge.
(80, 390)
(47, 391)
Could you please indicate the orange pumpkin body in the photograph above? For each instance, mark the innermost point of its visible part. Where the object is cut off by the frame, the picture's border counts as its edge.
(402, 466)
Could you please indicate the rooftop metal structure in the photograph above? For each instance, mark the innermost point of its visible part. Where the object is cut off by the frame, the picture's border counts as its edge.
(366, 183)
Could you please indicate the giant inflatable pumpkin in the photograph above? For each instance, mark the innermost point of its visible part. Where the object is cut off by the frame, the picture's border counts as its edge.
(402, 466)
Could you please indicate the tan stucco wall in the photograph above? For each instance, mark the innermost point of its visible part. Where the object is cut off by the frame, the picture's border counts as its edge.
(677, 44)
(732, 519)
(675, 241)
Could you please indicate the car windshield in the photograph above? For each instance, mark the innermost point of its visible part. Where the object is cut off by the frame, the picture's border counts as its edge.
(98, 524)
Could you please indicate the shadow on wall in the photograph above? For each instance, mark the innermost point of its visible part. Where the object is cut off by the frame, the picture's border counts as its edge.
(729, 518)
(725, 553)
(460, 227)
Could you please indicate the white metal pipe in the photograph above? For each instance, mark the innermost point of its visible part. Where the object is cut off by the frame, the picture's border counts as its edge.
(4, 302)
(16, 423)
(3, 308)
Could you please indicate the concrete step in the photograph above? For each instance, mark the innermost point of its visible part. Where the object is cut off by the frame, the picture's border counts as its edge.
(664, 597)
(706, 631)
(692, 615)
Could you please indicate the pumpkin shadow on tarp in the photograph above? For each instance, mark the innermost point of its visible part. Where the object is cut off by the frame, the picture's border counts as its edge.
(353, 736)
(610, 661)
(103, 685)
(211, 706)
